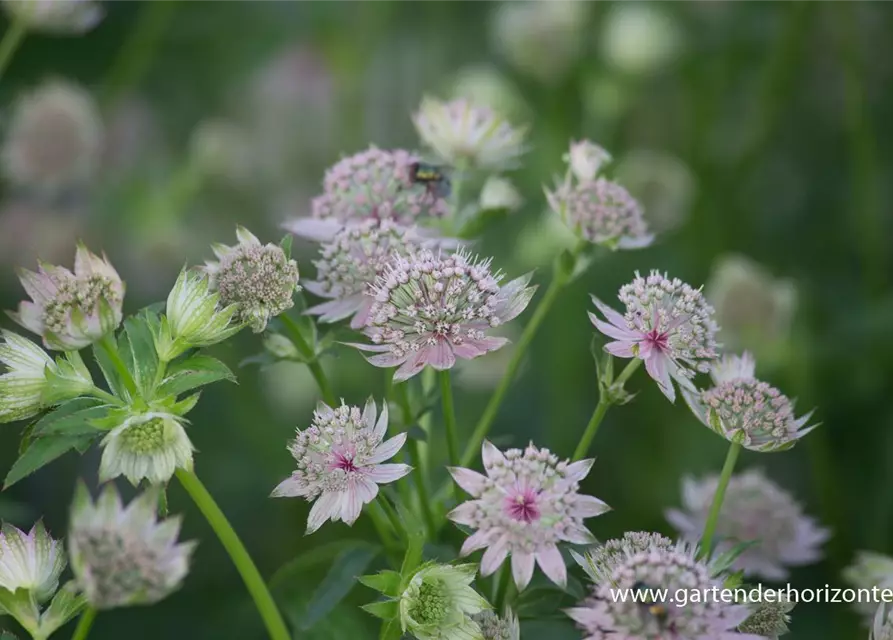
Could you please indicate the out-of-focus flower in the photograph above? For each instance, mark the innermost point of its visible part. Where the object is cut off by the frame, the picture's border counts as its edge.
(524, 507)
(123, 556)
(133, 138)
(882, 627)
(355, 257)
(194, 317)
(755, 509)
(31, 561)
(753, 309)
(373, 184)
(869, 570)
(489, 87)
(662, 183)
(69, 17)
(24, 382)
(54, 140)
(743, 409)
(260, 279)
(667, 323)
(466, 135)
(541, 239)
(543, 39)
(148, 446)
(603, 617)
(72, 310)
(494, 627)
(639, 38)
(500, 193)
(586, 159)
(221, 149)
(439, 604)
(430, 309)
(340, 462)
(599, 562)
(770, 618)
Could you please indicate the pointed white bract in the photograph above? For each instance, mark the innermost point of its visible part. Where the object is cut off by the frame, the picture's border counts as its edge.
(258, 278)
(600, 561)
(667, 323)
(340, 462)
(439, 604)
(67, 17)
(146, 446)
(882, 625)
(124, 556)
(432, 308)
(71, 310)
(24, 382)
(30, 561)
(526, 505)
(586, 160)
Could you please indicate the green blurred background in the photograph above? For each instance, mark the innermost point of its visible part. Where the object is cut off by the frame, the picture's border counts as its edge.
(760, 129)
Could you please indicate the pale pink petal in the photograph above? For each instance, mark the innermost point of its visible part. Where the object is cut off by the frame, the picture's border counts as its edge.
(441, 356)
(290, 488)
(656, 365)
(314, 228)
(39, 287)
(375, 348)
(494, 556)
(384, 473)
(611, 331)
(381, 427)
(577, 534)
(30, 316)
(576, 471)
(491, 455)
(386, 360)
(465, 513)
(522, 568)
(413, 365)
(471, 482)
(610, 314)
(326, 506)
(316, 288)
(387, 449)
(513, 298)
(589, 506)
(351, 503)
(621, 349)
(477, 540)
(369, 413)
(489, 343)
(361, 319)
(550, 561)
(680, 521)
(334, 310)
(468, 350)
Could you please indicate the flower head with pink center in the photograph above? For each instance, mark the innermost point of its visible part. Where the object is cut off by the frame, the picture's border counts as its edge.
(524, 507)
(432, 308)
(743, 409)
(340, 462)
(606, 616)
(667, 323)
(373, 184)
(758, 511)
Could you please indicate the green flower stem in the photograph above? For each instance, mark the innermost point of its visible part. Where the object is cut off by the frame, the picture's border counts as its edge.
(382, 528)
(12, 40)
(392, 516)
(418, 462)
(716, 507)
(96, 392)
(628, 371)
(604, 403)
(504, 587)
(236, 550)
(109, 345)
(297, 338)
(84, 624)
(449, 416)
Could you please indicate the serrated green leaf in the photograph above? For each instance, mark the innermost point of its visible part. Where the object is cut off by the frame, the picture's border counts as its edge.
(72, 419)
(192, 373)
(66, 604)
(387, 582)
(384, 609)
(185, 405)
(41, 452)
(726, 559)
(341, 578)
(138, 353)
(112, 379)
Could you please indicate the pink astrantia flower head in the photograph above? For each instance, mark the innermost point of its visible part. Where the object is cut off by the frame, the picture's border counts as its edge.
(72, 310)
(743, 409)
(599, 562)
(606, 616)
(354, 258)
(373, 184)
(755, 510)
(667, 323)
(431, 308)
(524, 507)
(340, 462)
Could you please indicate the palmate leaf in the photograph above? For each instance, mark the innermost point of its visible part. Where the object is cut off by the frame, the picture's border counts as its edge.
(192, 373)
(339, 581)
(75, 417)
(42, 451)
(137, 348)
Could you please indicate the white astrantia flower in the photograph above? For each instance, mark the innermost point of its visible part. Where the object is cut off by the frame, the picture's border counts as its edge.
(68, 17)
(586, 159)
(495, 627)
(439, 602)
(639, 38)
(499, 193)
(31, 561)
(123, 556)
(340, 460)
(524, 507)
(599, 562)
(259, 278)
(150, 446)
(25, 380)
(466, 135)
(755, 510)
(870, 569)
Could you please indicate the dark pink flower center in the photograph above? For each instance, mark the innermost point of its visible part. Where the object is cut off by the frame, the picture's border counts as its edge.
(522, 506)
(657, 340)
(344, 463)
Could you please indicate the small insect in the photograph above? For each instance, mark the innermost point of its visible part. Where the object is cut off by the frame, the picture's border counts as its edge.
(653, 609)
(436, 182)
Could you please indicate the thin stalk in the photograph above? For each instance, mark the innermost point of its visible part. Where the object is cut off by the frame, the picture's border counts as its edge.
(244, 564)
(380, 522)
(108, 344)
(415, 453)
(716, 507)
(84, 624)
(628, 371)
(96, 392)
(297, 338)
(449, 416)
(504, 585)
(392, 516)
(12, 40)
(592, 428)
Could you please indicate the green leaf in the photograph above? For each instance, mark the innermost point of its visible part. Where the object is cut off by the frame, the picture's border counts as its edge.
(66, 604)
(387, 582)
(6, 635)
(138, 352)
(41, 452)
(322, 554)
(337, 584)
(112, 379)
(551, 629)
(723, 561)
(391, 630)
(479, 222)
(384, 609)
(286, 243)
(73, 418)
(192, 373)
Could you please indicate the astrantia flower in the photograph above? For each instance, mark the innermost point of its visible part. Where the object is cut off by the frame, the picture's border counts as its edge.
(605, 616)
(54, 138)
(494, 627)
(525, 505)
(56, 16)
(586, 160)
(599, 562)
(467, 135)
(373, 184)
(499, 193)
(430, 309)
(355, 257)
(31, 561)
(72, 310)
(665, 187)
(743, 409)
(882, 628)
(869, 570)
(147, 446)
(667, 324)
(123, 556)
(757, 510)
(770, 619)
(340, 462)
(23, 384)
(439, 602)
(259, 278)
